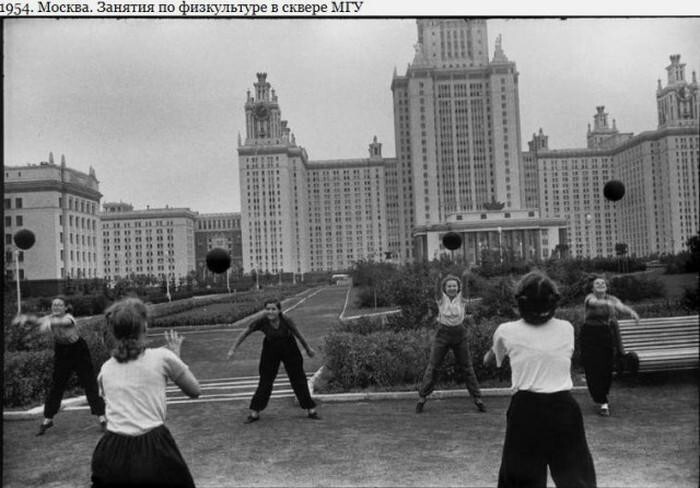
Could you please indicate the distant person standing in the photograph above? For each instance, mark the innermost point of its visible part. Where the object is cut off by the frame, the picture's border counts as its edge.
(138, 449)
(71, 354)
(600, 339)
(451, 333)
(544, 425)
(279, 346)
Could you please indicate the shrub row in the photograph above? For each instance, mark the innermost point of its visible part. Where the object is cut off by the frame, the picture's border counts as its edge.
(29, 360)
(29, 353)
(387, 358)
(394, 352)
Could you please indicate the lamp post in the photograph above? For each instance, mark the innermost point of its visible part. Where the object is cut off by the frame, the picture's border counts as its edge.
(500, 243)
(228, 280)
(24, 240)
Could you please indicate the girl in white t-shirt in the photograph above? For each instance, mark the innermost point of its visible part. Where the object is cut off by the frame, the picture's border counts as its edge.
(138, 449)
(544, 425)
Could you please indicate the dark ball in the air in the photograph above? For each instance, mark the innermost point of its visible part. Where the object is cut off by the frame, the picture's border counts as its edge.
(218, 260)
(452, 241)
(24, 239)
(614, 190)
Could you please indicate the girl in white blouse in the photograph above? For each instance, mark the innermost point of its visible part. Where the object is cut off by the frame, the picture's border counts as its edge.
(451, 333)
(138, 449)
(544, 425)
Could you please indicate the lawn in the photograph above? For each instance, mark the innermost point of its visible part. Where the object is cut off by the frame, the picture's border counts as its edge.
(651, 440)
(205, 350)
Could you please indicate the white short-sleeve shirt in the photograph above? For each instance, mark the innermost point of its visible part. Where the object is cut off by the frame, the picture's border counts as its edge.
(134, 391)
(540, 355)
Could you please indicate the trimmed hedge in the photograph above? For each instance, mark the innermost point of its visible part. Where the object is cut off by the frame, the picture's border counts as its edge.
(385, 358)
(368, 353)
(29, 361)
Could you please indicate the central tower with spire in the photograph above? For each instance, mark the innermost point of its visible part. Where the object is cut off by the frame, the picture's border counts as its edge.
(457, 129)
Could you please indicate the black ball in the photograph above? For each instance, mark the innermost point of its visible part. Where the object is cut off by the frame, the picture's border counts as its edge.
(452, 241)
(614, 190)
(218, 260)
(24, 239)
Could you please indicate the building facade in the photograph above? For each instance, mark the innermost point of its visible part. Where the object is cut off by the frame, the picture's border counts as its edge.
(299, 215)
(218, 230)
(155, 242)
(659, 168)
(60, 205)
(457, 129)
(513, 234)
(348, 217)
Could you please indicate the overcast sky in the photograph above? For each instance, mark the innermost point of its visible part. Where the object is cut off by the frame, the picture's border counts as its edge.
(156, 105)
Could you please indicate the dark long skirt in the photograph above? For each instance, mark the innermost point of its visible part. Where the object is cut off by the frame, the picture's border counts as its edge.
(597, 356)
(545, 429)
(148, 460)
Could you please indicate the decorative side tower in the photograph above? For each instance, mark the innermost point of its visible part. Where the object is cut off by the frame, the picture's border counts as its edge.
(272, 172)
(677, 102)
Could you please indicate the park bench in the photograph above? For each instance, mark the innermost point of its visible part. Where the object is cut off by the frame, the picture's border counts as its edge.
(660, 344)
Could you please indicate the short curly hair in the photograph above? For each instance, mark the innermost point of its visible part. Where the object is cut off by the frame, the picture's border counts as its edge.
(537, 297)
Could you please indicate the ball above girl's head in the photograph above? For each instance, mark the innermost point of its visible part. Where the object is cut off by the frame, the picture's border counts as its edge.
(537, 296)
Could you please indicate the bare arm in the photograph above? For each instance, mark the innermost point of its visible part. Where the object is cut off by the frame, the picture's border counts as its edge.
(489, 358)
(465, 284)
(246, 321)
(186, 381)
(188, 384)
(298, 335)
(241, 337)
(622, 308)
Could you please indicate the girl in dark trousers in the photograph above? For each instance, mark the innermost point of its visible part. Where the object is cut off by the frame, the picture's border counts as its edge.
(600, 339)
(138, 449)
(279, 345)
(451, 333)
(544, 425)
(71, 354)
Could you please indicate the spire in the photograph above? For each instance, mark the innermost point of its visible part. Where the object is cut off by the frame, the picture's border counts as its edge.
(675, 70)
(63, 160)
(419, 59)
(498, 55)
(51, 158)
(239, 139)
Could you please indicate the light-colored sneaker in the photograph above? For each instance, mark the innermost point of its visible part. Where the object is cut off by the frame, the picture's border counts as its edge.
(604, 411)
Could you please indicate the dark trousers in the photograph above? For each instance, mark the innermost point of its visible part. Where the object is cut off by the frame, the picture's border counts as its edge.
(545, 429)
(447, 338)
(67, 359)
(286, 351)
(151, 459)
(597, 356)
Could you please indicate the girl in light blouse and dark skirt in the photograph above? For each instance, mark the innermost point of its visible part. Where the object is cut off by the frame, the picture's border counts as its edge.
(600, 338)
(544, 425)
(451, 334)
(138, 449)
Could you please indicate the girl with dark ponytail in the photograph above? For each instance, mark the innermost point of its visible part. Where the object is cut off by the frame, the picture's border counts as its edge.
(544, 425)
